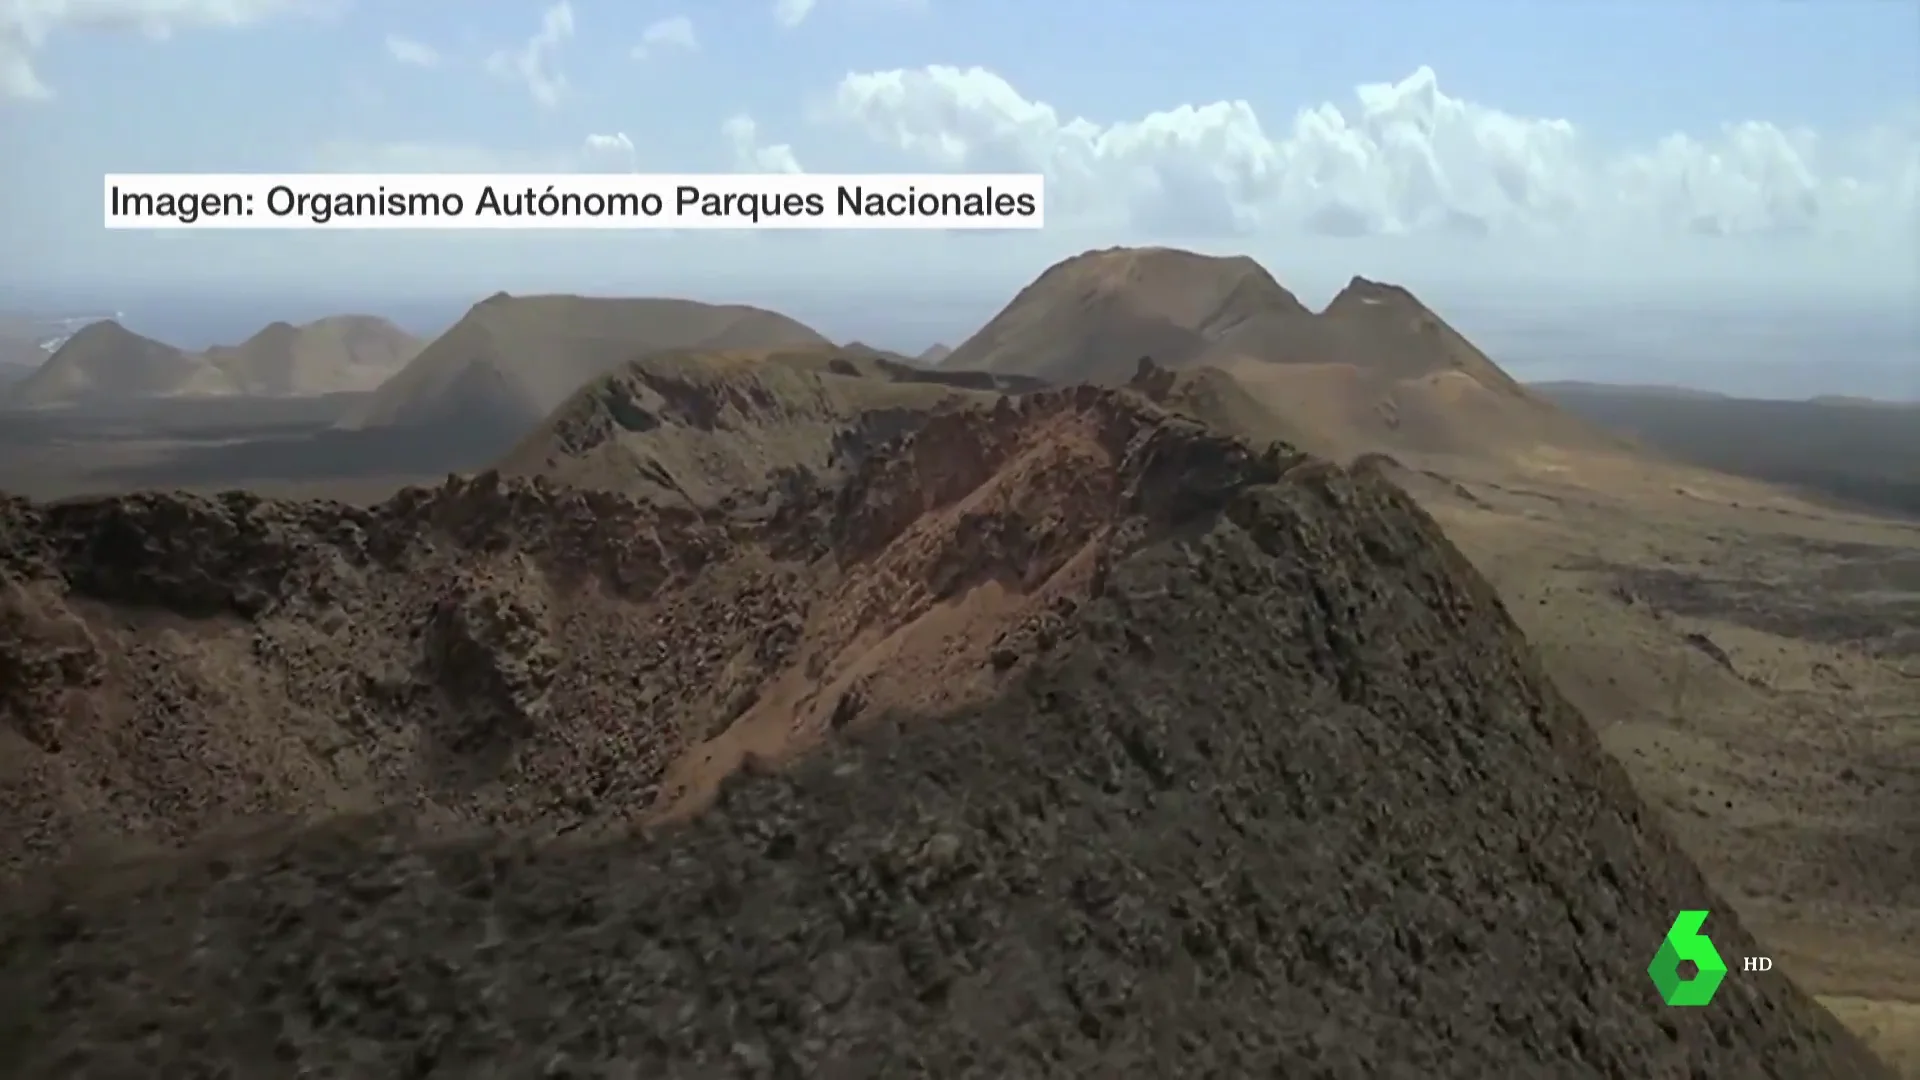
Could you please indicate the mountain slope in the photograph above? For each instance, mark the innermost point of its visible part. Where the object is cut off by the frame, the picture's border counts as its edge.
(1385, 328)
(1375, 371)
(512, 360)
(709, 429)
(337, 354)
(106, 362)
(1088, 318)
(1060, 737)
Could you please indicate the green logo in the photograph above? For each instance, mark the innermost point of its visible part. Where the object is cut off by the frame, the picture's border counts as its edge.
(1685, 942)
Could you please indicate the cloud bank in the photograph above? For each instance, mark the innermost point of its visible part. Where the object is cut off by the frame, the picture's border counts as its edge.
(1393, 170)
(1396, 159)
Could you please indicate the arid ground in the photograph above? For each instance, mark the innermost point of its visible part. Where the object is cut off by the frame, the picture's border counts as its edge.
(1754, 660)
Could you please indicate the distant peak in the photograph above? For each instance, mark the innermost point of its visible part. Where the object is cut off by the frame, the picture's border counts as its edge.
(1365, 292)
(1156, 254)
(1118, 268)
(491, 308)
(106, 330)
(1365, 286)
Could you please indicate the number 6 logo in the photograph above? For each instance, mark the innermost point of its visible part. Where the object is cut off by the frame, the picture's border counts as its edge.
(1685, 942)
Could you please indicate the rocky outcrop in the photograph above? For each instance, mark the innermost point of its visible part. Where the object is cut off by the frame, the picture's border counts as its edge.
(46, 657)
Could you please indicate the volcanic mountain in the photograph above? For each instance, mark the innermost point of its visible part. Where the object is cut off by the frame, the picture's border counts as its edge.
(338, 354)
(512, 360)
(1051, 734)
(105, 362)
(1089, 318)
(1376, 370)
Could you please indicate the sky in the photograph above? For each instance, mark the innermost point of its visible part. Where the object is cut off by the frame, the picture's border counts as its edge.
(1714, 155)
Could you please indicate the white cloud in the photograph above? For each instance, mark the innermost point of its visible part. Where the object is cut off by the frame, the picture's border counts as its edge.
(750, 155)
(412, 53)
(792, 12)
(667, 35)
(532, 63)
(616, 144)
(27, 25)
(1400, 158)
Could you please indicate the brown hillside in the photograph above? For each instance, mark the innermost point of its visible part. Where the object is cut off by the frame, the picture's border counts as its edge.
(1088, 318)
(512, 360)
(714, 429)
(1218, 400)
(1377, 370)
(1148, 753)
(338, 354)
(1384, 328)
(106, 362)
(935, 355)
(860, 350)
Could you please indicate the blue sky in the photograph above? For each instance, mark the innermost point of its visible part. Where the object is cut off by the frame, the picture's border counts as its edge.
(1736, 149)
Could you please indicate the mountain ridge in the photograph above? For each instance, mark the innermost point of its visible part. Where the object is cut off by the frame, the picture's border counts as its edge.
(510, 361)
(105, 362)
(1375, 369)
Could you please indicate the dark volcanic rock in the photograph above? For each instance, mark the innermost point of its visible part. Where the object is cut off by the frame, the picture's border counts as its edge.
(1286, 795)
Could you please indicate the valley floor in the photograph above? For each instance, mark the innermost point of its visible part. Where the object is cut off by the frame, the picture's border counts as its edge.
(1754, 662)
